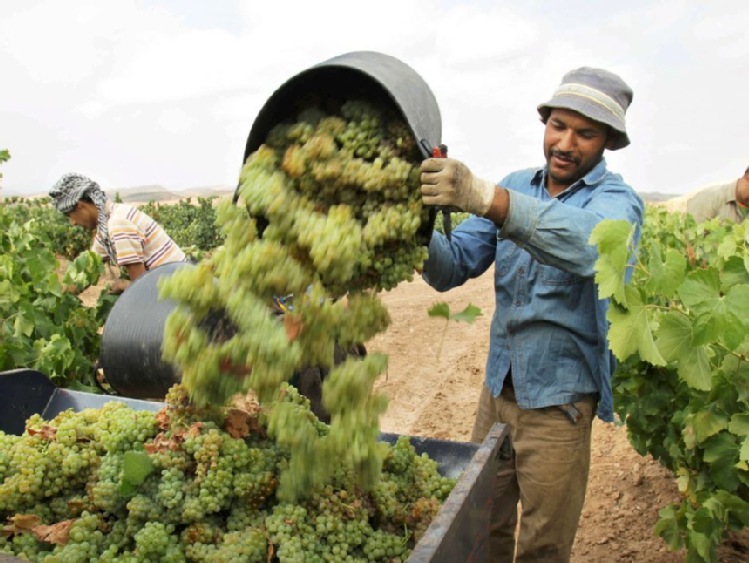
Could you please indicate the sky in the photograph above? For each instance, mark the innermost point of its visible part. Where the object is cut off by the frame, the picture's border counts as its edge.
(165, 92)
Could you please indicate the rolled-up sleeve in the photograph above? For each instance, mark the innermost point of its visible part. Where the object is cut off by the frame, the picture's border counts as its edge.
(557, 234)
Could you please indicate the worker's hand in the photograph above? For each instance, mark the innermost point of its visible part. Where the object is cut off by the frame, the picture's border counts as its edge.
(118, 286)
(449, 182)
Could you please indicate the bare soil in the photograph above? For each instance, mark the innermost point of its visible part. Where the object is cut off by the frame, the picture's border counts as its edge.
(435, 374)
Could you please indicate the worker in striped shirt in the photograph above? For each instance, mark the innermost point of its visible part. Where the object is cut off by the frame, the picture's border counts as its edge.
(123, 235)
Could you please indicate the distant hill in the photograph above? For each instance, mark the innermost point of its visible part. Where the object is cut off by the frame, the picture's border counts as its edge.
(653, 197)
(159, 194)
(144, 194)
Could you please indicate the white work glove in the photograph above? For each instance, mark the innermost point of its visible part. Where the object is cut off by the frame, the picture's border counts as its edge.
(449, 183)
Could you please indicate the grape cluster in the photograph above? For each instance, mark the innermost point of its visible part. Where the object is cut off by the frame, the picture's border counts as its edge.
(329, 209)
(206, 493)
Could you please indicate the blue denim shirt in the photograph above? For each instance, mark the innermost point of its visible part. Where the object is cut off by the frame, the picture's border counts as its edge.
(549, 324)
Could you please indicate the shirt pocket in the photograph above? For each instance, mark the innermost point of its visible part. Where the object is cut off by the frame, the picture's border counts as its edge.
(554, 277)
(508, 254)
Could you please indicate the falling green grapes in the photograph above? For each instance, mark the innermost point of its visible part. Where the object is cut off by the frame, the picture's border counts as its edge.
(329, 210)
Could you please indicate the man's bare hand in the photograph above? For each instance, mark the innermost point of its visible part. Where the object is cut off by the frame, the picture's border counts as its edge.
(118, 286)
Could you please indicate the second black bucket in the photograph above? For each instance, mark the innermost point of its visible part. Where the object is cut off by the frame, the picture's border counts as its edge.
(133, 336)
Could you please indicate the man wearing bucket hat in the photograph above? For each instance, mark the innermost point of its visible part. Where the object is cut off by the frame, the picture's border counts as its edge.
(549, 367)
(123, 235)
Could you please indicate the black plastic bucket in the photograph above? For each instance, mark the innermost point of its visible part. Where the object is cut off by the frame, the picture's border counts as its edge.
(133, 336)
(379, 77)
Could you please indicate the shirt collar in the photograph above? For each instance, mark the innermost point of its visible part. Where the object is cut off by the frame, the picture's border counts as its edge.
(594, 176)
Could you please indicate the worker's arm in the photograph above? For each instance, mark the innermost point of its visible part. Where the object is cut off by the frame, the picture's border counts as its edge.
(134, 271)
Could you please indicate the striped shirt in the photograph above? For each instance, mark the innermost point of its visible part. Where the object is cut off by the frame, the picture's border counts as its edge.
(137, 238)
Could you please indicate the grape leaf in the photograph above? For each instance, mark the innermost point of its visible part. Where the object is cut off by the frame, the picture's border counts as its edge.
(744, 451)
(666, 275)
(136, 467)
(739, 424)
(707, 423)
(440, 309)
(721, 454)
(695, 370)
(467, 315)
(667, 527)
(674, 335)
(734, 273)
(725, 321)
(727, 247)
(613, 238)
(703, 529)
(701, 290)
(630, 330)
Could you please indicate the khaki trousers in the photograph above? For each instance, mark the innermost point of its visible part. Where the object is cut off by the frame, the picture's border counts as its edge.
(545, 469)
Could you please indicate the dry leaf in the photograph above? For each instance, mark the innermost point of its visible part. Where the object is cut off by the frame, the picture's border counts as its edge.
(240, 423)
(46, 432)
(242, 415)
(56, 533)
(163, 420)
(161, 443)
(195, 429)
(293, 326)
(20, 523)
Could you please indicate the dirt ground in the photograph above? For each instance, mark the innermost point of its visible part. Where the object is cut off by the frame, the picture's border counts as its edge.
(434, 377)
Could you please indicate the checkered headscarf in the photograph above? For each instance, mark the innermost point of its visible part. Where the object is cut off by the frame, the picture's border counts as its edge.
(70, 189)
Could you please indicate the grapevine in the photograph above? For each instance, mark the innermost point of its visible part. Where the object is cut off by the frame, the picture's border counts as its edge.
(680, 332)
(42, 324)
(329, 211)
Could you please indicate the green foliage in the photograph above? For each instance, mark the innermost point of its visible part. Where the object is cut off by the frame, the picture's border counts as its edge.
(193, 227)
(680, 331)
(467, 315)
(442, 309)
(4, 157)
(59, 235)
(44, 326)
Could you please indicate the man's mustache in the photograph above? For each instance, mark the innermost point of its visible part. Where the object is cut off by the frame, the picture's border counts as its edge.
(565, 155)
